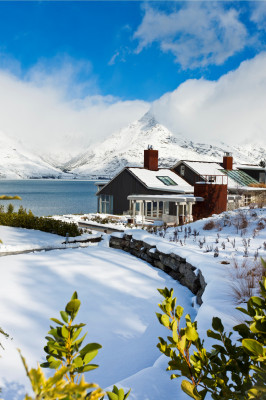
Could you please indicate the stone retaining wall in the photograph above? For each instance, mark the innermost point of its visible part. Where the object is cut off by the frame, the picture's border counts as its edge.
(175, 266)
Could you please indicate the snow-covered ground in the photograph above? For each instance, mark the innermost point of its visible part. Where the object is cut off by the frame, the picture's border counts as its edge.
(20, 239)
(119, 297)
(119, 301)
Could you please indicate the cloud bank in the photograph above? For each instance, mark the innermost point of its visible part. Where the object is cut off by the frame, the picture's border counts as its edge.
(48, 110)
(231, 109)
(197, 34)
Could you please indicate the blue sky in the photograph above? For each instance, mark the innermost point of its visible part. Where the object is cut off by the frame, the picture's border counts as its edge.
(110, 44)
(85, 69)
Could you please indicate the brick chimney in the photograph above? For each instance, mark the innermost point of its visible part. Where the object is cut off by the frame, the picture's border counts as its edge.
(151, 159)
(228, 161)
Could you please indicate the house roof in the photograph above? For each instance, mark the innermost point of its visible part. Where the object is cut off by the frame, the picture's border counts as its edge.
(240, 177)
(155, 180)
(250, 166)
(235, 176)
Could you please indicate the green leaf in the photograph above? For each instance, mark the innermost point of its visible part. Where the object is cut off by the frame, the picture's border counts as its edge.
(121, 394)
(112, 396)
(74, 296)
(191, 333)
(90, 356)
(78, 362)
(72, 307)
(165, 320)
(65, 332)
(188, 388)
(64, 316)
(76, 334)
(89, 348)
(179, 312)
(253, 346)
(86, 368)
(217, 324)
(127, 394)
(213, 335)
(57, 321)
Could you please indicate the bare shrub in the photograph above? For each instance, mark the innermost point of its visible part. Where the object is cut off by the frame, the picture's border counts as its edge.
(242, 290)
(209, 225)
(261, 224)
(245, 276)
(240, 221)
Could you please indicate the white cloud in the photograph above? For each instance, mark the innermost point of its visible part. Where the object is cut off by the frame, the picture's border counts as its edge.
(231, 109)
(198, 34)
(258, 14)
(49, 111)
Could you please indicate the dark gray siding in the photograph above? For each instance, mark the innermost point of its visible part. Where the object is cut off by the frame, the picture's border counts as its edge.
(121, 187)
(255, 174)
(190, 176)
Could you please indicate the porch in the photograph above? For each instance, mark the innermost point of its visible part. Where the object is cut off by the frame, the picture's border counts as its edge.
(167, 208)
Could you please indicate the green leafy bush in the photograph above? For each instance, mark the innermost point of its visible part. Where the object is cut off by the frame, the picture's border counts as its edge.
(230, 370)
(70, 358)
(24, 219)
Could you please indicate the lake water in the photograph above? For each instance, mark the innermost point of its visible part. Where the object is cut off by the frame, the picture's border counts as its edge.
(51, 197)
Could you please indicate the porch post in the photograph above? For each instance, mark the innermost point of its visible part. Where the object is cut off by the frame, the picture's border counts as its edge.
(134, 208)
(177, 213)
(157, 209)
(151, 208)
(143, 210)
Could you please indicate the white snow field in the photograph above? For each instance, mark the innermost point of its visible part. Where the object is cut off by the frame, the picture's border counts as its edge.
(119, 300)
(119, 297)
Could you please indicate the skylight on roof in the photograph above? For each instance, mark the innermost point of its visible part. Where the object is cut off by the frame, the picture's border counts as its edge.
(167, 180)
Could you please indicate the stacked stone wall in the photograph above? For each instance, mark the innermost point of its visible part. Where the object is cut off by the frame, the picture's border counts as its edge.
(175, 266)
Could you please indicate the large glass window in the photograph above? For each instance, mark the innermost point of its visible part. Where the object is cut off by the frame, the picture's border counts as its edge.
(167, 180)
(106, 204)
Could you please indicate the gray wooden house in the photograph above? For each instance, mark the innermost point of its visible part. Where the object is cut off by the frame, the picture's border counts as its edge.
(152, 192)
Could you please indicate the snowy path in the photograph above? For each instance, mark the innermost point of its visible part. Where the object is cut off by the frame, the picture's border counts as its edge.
(119, 301)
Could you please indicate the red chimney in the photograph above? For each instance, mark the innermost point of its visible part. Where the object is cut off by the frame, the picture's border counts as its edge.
(151, 159)
(228, 161)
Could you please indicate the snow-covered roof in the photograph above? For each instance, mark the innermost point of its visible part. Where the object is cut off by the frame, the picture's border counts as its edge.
(152, 180)
(212, 169)
(250, 166)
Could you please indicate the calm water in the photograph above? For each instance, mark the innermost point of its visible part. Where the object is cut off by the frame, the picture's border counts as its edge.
(50, 197)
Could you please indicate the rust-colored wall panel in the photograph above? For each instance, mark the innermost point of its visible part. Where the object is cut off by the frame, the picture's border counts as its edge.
(215, 200)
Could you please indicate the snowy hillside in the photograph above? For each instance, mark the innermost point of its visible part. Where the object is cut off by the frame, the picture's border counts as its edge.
(18, 163)
(125, 148)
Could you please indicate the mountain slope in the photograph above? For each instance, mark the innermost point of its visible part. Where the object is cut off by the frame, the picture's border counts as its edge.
(18, 163)
(126, 147)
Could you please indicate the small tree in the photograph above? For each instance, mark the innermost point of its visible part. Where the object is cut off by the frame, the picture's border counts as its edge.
(67, 355)
(230, 370)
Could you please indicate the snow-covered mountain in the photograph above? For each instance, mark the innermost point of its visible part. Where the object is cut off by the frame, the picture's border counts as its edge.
(18, 163)
(126, 147)
(123, 148)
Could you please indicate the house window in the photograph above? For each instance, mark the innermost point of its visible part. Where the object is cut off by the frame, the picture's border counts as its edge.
(166, 208)
(262, 177)
(167, 181)
(182, 170)
(106, 204)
